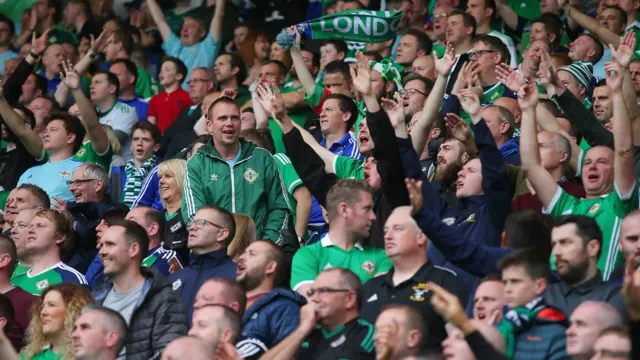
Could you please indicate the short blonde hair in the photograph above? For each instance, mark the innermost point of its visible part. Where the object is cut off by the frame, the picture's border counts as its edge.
(175, 168)
(113, 139)
(244, 236)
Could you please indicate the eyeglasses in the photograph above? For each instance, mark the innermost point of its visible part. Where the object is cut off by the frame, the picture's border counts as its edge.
(479, 53)
(195, 81)
(325, 290)
(411, 92)
(438, 16)
(78, 182)
(200, 223)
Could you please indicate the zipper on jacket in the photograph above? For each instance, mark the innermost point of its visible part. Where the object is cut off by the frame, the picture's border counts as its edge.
(233, 180)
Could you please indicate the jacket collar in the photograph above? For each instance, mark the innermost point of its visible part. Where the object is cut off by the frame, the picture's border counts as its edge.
(583, 288)
(213, 257)
(272, 296)
(245, 152)
(326, 242)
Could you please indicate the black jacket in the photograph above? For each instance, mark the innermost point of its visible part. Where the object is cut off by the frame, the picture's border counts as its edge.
(157, 319)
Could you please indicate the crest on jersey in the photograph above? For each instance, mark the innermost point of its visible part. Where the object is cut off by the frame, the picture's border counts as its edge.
(449, 221)
(81, 152)
(250, 175)
(176, 284)
(419, 291)
(593, 209)
(64, 174)
(369, 267)
(43, 284)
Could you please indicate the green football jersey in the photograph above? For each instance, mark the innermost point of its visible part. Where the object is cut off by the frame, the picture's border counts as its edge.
(311, 260)
(86, 153)
(608, 211)
(57, 274)
(297, 116)
(348, 168)
(488, 97)
(19, 270)
(45, 354)
(290, 178)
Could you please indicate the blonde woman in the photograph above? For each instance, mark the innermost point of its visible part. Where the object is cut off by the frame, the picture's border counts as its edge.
(170, 181)
(52, 317)
(245, 235)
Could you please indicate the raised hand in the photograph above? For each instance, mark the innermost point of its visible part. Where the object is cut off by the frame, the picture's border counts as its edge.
(266, 98)
(361, 75)
(230, 93)
(70, 76)
(39, 45)
(469, 101)
(458, 127)
(623, 55)
(308, 319)
(414, 188)
(471, 74)
(549, 71)
(98, 45)
(395, 111)
(385, 339)
(293, 31)
(444, 64)
(59, 204)
(528, 96)
(512, 79)
(447, 305)
(614, 76)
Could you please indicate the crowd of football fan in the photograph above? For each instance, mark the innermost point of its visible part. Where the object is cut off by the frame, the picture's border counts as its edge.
(177, 184)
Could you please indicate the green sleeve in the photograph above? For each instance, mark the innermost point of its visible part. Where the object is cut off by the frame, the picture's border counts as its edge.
(347, 168)
(194, 195)
(278, 209)
(289, 175)
(143, 84)
(384, 262)
(561, 203)
(316, 97)
(304, 267)
(439, 49)
(627, 204)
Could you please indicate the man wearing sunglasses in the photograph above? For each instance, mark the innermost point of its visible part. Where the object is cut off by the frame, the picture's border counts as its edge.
(210, 232)
(330, 324)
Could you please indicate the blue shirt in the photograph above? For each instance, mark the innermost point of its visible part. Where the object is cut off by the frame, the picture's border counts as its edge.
(52, 177)
(140, 105)
(235, 159)
(347, 146)
(4, 57)
(202, 54)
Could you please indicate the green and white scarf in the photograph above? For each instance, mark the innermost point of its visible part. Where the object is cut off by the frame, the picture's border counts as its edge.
(389, 71)
(354, 25)
(135, 178)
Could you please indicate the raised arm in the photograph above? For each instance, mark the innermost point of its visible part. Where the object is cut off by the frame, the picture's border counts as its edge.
(308, 82)
(215, 29)
(622, 56)
(590, 24)
(623, 165)
(95, 131)
(158, 17)
(507, 14)
(25, 134)
(538, 176)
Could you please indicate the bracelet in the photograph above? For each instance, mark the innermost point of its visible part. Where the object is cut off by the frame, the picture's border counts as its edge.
(92, 54)
(34, 55)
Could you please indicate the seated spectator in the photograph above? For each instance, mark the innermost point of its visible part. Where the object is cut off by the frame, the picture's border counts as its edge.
(530, 328)
(245, 235)
(25, 196)
(350, 213)
(15, 159)
(210, 232)
(165, 107)
(406, 246)
(42, 106)
(334, 306)
(171, 186)
(230, 73)
(19, 235)
(457, 347)
(588, 320)
(216, 324)
(221, 291)
(190, 348)
(50, 234)
(53, 317)
(99, 333)
(488, 300)
(401, 322)
(145, 140)
(96, 270)
(613, 342)
(130, 286)
(153, 222)
(127, 74)
(272, 312)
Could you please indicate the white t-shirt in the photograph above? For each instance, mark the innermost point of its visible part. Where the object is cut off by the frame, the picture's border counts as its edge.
(121, 117)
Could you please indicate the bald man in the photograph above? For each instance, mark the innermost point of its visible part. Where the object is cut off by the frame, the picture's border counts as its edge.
(455, 347)
(406, 246)
(425, 67)
(188, 348)
(586, 323)
(511, 105)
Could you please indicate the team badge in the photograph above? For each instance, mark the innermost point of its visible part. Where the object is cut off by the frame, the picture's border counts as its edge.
(81, 152)
(64, 174)
(369, 267)
(449, 221)
(250, 175)
(471, 218)
(176, 284)
(594, 208)
(419, 291)
(339, 341)
(41, 285)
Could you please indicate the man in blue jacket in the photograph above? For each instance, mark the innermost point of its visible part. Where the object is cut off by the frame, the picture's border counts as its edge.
(272, 313)
(210, 232)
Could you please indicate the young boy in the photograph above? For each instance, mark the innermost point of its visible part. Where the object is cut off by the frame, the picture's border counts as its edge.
(145, 141)
(531, 329)
(165, 107)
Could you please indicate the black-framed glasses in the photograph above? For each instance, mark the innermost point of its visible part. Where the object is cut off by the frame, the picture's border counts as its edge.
(78, 182)
(410, 92)
(200, 223)
(478, 53)
(325, 290)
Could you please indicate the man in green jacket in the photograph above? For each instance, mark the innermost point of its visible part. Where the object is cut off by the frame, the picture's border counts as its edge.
(236, 175)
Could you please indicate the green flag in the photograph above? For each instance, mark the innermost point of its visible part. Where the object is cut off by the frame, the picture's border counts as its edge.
(354, 25)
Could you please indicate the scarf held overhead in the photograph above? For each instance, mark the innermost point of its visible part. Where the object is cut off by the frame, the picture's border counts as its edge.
(354, 25)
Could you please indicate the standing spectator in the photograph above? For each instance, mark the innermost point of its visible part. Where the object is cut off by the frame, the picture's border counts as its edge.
(77, 17)
(120, 45)
(20, 300)
(50, 234)
(216, 325)
(7, 28)
(272, 312)
(425, 67)
(127, 74)
(483, 12)
(52, 66)
(218, 173)
(145, 141)
(99, 333)
(587, 322)
(230, 72)
(461, 28)
(406, 246)
(96, 269)
(195, 48)
(350, 214)
(53, 316)
(210, 232)
(165, 107)
(413, 43)
(171, 184)
(33, 87)
(404, 323)
(142, 296)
